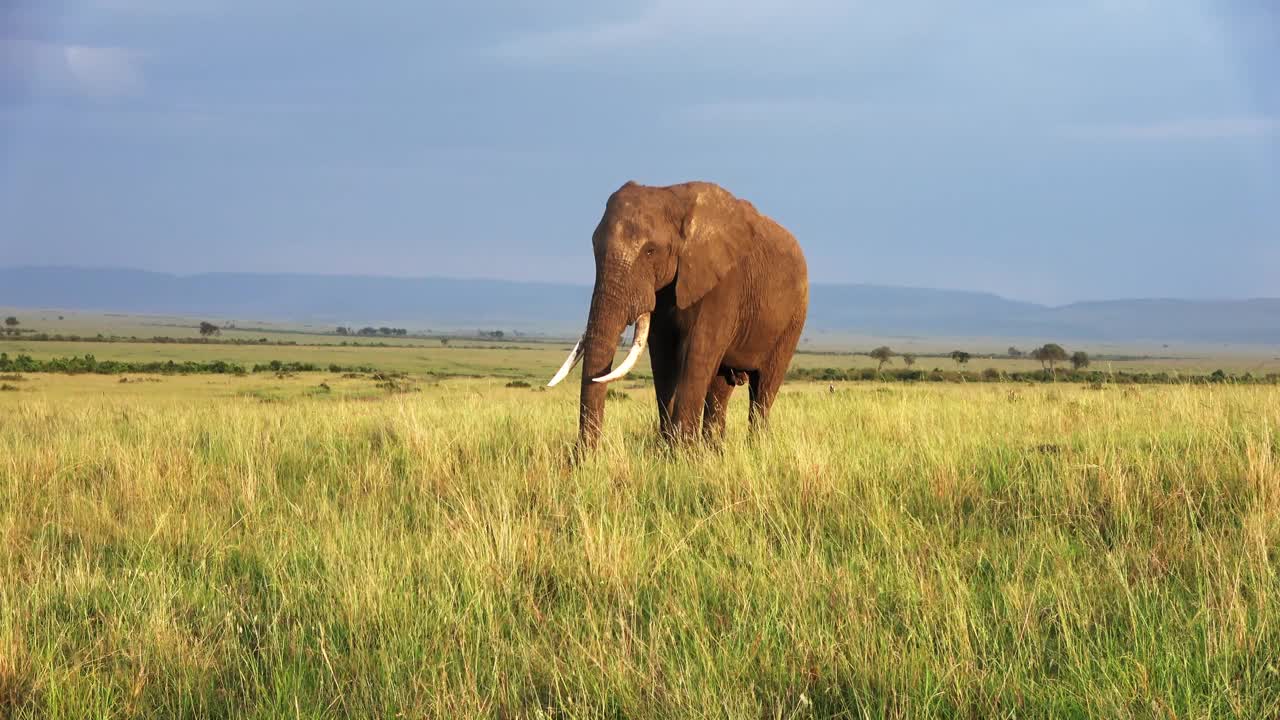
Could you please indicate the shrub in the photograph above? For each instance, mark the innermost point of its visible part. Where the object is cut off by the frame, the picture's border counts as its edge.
(297, 367)
(398, 386)
(90, 364)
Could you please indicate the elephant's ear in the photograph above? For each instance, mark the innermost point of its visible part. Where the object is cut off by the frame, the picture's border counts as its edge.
(711, 238)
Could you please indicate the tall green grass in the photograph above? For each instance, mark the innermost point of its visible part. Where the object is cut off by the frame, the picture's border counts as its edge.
(885, 551)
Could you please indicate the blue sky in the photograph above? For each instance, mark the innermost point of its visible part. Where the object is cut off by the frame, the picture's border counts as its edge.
(1046, 151)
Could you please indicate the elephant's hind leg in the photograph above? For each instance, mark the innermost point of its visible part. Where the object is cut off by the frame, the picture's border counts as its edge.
(766, 381)
(700, 354)
(762, 399)
(715, 410)
(764, 390)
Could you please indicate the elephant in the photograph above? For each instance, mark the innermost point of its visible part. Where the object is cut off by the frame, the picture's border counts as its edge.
(717, 292)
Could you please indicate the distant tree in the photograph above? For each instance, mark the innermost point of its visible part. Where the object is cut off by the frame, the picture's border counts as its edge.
(908, 359)
(368, 331)
(1014, 352)
(343, 331)
(1079, 360)
(444, 342)
(208, 328)
(11, 321)
(883, 355)
(1049, 355)
(961, 357)
(1055, 354)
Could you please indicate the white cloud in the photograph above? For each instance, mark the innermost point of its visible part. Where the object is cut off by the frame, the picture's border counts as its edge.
(780, 115)
(104, 72)
(156, 7)
(844, 27)
(98, 72)
(1220, 128)
(666, 21)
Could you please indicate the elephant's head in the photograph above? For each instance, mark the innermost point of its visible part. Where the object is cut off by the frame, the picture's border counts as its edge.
(649, 239)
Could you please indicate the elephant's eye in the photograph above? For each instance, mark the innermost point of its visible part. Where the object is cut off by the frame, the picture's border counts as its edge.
(649, 250)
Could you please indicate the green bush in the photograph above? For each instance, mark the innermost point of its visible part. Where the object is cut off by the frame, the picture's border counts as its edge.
(90, 364)
(1087, 377)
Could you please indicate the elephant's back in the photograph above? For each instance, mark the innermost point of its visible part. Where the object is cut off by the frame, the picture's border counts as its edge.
(778, 285)
(784, 261)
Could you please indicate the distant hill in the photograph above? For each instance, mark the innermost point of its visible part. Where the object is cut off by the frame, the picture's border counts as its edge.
(458, 303)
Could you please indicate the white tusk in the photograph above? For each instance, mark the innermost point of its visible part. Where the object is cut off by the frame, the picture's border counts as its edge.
(574, 356)
(637, 347)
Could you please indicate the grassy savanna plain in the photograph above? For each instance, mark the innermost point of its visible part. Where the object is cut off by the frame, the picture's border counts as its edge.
(532, 358)
(262, 546)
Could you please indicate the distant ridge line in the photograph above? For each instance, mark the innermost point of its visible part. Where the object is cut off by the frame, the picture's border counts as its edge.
(443, 302)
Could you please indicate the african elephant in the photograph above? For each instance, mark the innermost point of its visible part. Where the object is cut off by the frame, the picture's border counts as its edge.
(717, 291)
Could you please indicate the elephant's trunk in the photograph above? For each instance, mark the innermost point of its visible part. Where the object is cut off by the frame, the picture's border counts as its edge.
(605, 323)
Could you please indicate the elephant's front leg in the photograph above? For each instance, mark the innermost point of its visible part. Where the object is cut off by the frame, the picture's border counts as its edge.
(664, 359)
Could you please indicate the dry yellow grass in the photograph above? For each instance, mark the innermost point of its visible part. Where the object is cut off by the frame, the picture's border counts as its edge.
(224, 547)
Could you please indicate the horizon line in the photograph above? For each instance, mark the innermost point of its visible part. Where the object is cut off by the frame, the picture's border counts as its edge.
(323, 274)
